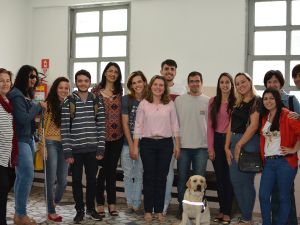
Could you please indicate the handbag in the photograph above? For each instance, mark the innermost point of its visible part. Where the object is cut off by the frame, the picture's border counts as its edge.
(250, 162)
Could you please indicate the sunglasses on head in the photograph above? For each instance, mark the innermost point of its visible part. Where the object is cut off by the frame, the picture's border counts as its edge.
(32, 76)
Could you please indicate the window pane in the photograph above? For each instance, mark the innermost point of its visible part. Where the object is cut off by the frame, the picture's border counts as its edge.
(115, 20)
(122, 67)
(292, 64)
(295, 46)
(269, 42)
(295, 12)
(87, 47)
(270, 13)
(87, 22)
(114, 46)
(261, 67)
(89, 66)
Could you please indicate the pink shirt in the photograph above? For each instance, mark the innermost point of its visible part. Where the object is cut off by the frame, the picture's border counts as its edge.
(156, 120)
(222, 122)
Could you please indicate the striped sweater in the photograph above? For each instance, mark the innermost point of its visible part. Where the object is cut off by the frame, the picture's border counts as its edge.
(87, 133)
(6, 136)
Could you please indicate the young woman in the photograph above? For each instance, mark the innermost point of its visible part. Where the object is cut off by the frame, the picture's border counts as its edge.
(56, 166)
(24, 112)
(110, 90)
(241, 130)
(156, 124)
(133, 168)
(219, 111)
(274, 79)
(8, 143)
(280, 141)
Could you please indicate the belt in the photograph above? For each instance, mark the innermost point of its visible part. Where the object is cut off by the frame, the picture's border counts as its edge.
(275, 156)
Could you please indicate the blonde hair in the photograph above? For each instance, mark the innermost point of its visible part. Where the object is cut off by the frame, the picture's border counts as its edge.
(239, 97)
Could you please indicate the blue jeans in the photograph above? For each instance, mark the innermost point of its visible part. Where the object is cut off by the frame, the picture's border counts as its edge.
(169, 185)
(133, 178)
(24, 176)
(198, 158)
(243, 184)
(156, 155)
(56, 170)
(276, 171)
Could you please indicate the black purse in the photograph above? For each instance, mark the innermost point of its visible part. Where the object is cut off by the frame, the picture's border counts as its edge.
(250, 158)
(250, 162)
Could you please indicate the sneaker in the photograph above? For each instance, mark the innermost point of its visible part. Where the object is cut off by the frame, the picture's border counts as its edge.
(79, 217)
(243, 222)
(93, 215)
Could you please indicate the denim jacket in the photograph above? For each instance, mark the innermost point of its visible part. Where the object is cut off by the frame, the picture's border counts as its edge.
(24, 111)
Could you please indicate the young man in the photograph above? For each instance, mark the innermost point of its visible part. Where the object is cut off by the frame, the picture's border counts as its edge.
(296, 75)
(168, 70)
(83, 139)
(192, 112)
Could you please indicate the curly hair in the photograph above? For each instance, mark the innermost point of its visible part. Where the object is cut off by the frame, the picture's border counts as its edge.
(165, 98)
(54, 104)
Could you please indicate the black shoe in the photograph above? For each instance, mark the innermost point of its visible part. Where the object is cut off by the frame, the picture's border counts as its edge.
(93, 215)
(79, 217)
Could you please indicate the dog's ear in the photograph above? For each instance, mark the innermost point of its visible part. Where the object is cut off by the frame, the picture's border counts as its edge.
(205, 185)
(188, 183)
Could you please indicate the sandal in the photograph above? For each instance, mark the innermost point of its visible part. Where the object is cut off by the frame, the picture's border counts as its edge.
(113, 212)
(218, 219)
(148, 217)
(101, 211)
(55, 218)
(24, 220)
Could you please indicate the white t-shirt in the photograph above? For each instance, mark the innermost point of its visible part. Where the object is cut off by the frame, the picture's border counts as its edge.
(272, 143)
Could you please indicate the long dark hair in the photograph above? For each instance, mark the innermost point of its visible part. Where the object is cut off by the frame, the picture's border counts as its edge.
(54, 104)
(279, 106)
(117, 84)
(216, 104)
(21, 81)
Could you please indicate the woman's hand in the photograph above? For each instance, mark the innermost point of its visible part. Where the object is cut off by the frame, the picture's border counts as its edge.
(286, 150)
(229, 156)
(44, 153)
(133, 152)
(211, 154)
(70, 160)
(99, 157)
(237, 151)
(176, 152)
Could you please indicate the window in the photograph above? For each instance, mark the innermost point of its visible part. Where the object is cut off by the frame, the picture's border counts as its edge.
(99, 34)
(274, 39)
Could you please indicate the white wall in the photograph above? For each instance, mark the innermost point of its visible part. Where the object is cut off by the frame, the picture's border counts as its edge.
(204, 35)
(14, 20)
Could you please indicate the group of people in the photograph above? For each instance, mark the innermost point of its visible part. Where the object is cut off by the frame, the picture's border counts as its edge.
(151, 128)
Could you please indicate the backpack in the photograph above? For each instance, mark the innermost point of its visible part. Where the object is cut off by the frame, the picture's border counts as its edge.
(291, 103)
(72, 106)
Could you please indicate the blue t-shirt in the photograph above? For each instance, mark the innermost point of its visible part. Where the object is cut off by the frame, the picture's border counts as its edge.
(129, 107)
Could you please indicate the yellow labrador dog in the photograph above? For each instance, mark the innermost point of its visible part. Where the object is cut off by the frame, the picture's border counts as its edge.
(194, 204)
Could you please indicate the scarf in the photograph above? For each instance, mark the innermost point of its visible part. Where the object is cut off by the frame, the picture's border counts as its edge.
(14, 153)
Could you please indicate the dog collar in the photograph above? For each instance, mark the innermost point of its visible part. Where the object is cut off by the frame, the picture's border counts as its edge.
(196, 203)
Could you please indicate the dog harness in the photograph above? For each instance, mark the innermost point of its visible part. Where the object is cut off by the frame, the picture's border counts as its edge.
(203, 203)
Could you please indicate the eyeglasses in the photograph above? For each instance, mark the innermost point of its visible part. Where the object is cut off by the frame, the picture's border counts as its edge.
(32, 76)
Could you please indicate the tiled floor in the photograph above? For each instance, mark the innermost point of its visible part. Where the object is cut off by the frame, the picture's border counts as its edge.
(37, 210)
